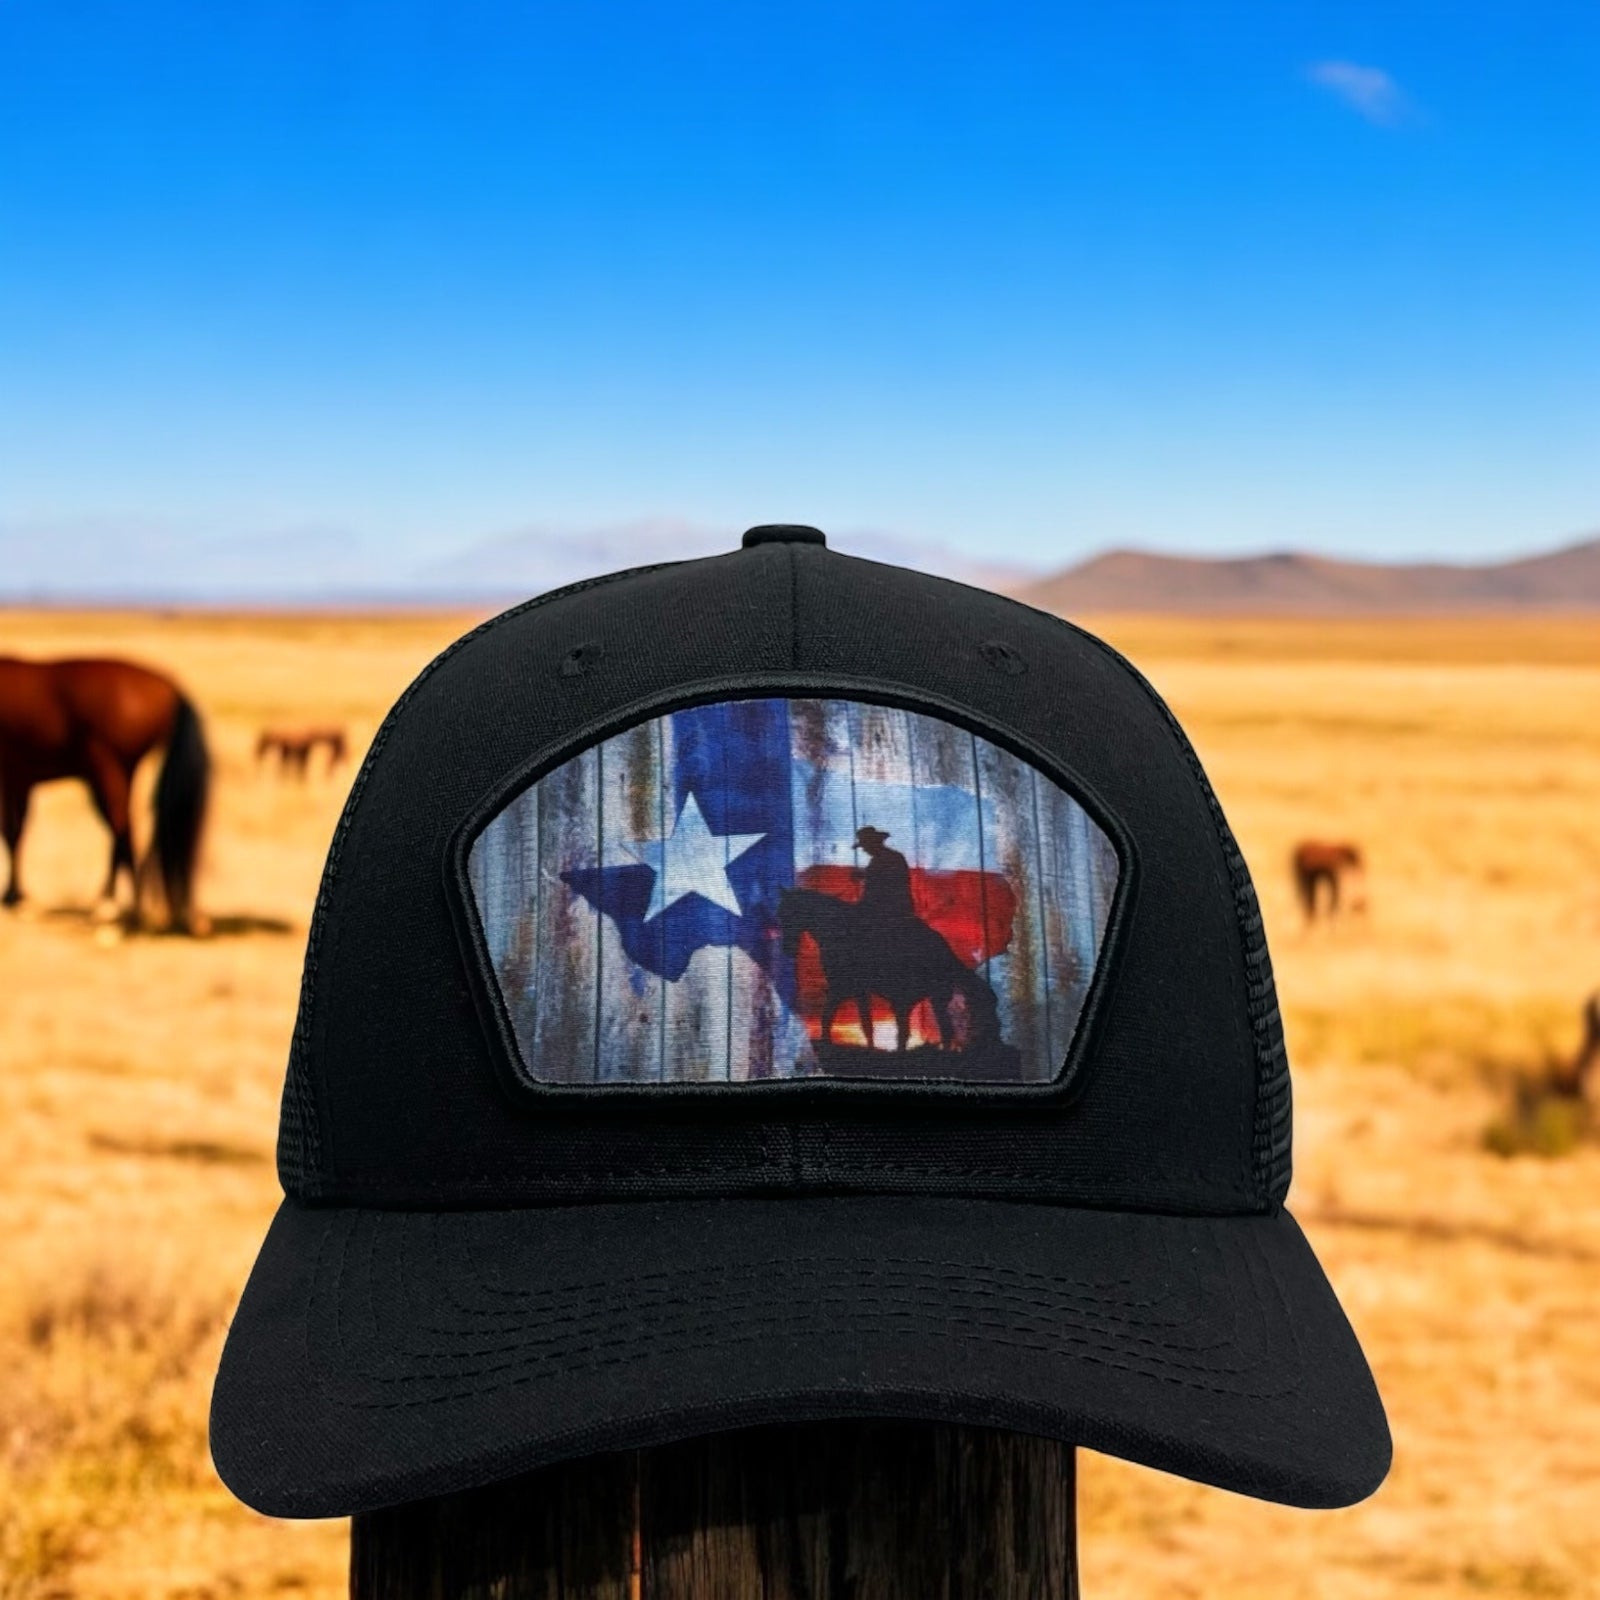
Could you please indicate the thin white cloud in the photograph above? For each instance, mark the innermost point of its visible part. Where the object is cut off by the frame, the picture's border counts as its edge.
(1369, 91)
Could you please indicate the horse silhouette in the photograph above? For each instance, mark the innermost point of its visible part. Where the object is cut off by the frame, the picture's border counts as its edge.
(901, 964)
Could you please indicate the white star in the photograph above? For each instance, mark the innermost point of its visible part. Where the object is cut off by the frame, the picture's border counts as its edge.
(692, 860)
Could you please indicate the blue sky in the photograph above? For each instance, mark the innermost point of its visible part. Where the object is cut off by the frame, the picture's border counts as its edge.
(370, 284)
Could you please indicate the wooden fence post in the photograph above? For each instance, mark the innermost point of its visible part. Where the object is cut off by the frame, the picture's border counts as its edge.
(830, 1511)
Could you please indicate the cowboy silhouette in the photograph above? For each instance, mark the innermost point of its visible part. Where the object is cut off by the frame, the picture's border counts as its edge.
(876, 953)
(885, 882)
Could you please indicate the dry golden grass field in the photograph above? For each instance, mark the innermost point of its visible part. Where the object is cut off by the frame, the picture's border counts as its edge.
(139, 1079)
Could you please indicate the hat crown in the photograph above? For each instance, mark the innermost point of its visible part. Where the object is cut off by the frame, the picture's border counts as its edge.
(401, 1089)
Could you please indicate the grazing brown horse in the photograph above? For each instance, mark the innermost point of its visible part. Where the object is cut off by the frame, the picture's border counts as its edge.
(1315, 864)
(293, 747)
(96, 721)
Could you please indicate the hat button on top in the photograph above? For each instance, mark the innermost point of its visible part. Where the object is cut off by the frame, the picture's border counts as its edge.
(783, 533)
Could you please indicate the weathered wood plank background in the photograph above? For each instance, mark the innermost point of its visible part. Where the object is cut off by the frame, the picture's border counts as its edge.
(805, 775)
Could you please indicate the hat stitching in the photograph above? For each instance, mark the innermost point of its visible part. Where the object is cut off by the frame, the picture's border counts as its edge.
(568, 1183)
(876, 1321)
(646, 1277)
(744, 1274)
(944, 1273)
(1085, 1345)
(767, 1164)
(885, 1294)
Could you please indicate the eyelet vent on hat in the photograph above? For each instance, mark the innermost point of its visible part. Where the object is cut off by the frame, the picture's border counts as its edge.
(581, 659)
(1003, 657)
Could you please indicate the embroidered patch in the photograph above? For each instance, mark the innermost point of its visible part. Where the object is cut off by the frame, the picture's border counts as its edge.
(793, 888)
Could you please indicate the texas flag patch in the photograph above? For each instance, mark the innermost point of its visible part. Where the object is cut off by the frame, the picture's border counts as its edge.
(793, 888)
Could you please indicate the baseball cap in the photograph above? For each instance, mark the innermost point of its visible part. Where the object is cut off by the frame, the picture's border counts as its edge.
(783, 987)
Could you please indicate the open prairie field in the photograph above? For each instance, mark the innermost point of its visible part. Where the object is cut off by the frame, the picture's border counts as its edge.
(139, 1079)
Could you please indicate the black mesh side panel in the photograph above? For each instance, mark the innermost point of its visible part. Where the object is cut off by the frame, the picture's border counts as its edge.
(300, 1168)
(1271, 1140)
(1272, 1136)
(299, 1139)
(1274, 1099)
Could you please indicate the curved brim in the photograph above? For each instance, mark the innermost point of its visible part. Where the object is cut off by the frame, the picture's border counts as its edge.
(385, 1356)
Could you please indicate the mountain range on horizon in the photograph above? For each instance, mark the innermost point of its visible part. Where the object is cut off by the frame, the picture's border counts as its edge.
(1291, 582)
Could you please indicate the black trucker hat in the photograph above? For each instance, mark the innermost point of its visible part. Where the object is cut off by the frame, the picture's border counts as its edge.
(782, 987)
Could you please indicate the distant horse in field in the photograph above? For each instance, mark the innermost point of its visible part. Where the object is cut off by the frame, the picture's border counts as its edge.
(1571, 1078)
(1314, 865)
(859, 961)
(294, 746)
(96, 721)
(1555, 1109)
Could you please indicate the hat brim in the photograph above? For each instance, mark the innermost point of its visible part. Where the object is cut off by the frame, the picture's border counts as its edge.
(385, 1356)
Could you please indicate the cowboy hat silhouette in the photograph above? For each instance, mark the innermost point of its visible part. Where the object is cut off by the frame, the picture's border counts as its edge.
(870, 837)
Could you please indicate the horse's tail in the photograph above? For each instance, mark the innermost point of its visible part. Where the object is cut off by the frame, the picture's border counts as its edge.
(983, 1006)
(180, 811)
